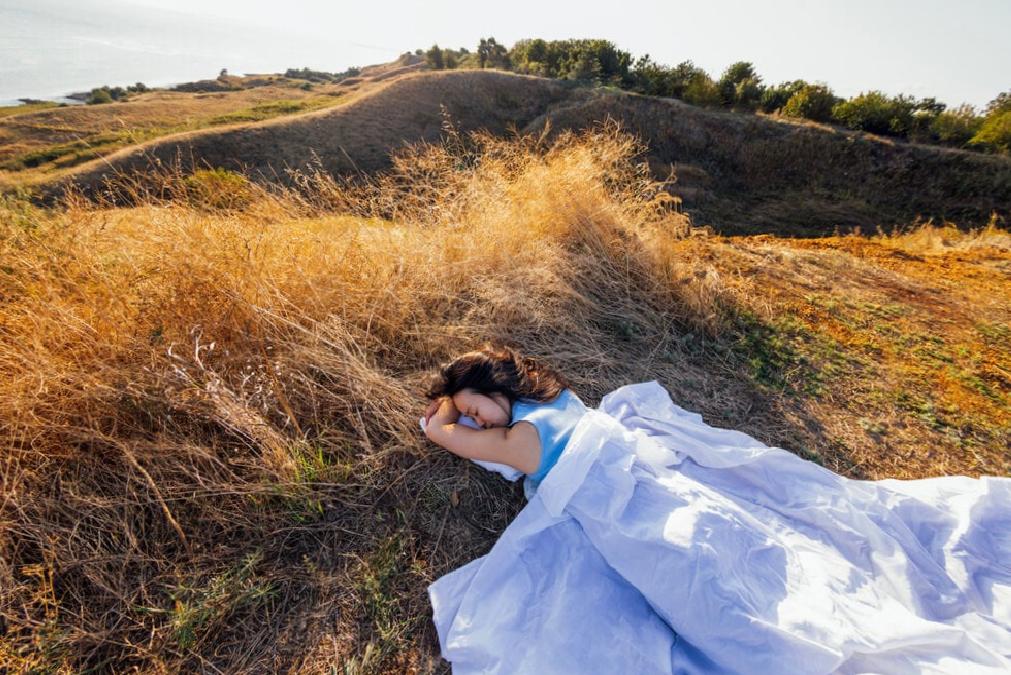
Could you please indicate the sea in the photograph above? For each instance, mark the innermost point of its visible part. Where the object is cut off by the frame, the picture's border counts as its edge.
(52, 48)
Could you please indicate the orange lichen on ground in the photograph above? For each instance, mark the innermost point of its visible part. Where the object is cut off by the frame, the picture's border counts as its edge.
(914, 335)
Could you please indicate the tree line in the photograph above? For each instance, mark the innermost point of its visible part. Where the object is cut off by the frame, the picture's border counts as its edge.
(741, 88)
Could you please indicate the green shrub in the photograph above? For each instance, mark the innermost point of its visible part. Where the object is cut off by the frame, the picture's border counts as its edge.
(774, 98)
(651, 78)
(491, 54)
(588, 60)
(701, 90)
(1000, 104)
(99, 96)
(922, 115)
(995, 133)
(586, 68)
(740, 86)
(956, 127)
(875, 112)
(748, 93)
(107, 94)
(319, 76)
(434, 57)
(813, 102)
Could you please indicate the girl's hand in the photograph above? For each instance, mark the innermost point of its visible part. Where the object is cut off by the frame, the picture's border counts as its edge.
(431, 409)
(445, 413)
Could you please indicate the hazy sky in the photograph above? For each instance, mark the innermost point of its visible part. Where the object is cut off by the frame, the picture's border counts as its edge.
(958, 52)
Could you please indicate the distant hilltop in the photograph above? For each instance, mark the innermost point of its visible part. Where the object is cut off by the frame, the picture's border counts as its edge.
(736, 170)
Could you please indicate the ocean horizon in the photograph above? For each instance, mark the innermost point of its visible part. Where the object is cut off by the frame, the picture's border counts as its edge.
(55, 48)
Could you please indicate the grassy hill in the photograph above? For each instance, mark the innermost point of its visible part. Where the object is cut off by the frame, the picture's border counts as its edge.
(738, 173)
(40, 143)
(209, 405)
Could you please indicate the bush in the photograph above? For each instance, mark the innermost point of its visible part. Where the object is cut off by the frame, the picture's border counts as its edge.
(99, 95)
(490, 54)
(107, 94)
(586, 69)
(748, 93)
(701, 90)
(774, 98)
(874, 112)
(813, 102)
(597, 60)
(740, 86)
(1000, 104)
(956, 127)
(922, 115)
(651, 78)
(995, 134)
(433, 57)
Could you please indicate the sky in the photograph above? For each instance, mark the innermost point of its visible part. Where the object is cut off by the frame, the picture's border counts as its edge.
(956, 52)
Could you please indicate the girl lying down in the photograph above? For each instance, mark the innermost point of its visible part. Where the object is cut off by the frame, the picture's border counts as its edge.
(653, 542)
(524, 411)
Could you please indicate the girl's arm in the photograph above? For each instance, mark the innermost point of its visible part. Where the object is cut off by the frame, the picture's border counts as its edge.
(517, 446)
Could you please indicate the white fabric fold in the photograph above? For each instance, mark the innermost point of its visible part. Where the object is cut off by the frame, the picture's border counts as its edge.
(658, 543)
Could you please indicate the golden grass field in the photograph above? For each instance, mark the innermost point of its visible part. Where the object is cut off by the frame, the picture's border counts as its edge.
(210, 395)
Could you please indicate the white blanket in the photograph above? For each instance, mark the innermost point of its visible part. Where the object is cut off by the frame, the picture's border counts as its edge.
(660, 544)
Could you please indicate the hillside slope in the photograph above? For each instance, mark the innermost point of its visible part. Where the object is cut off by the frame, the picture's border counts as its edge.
(358, 136)
(739, 173)
(209, 451)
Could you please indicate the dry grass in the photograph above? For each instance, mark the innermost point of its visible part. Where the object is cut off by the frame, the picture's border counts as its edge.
(209, 398)
(899, 343)
(739, 173)
(43, 142)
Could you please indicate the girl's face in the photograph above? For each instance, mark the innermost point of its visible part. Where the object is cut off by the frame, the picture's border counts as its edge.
(488, 410)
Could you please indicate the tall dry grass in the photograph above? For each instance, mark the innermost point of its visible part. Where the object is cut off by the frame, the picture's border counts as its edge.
(209, 397)
(930, 239)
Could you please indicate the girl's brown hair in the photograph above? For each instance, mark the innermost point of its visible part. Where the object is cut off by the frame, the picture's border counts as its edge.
(497, 368)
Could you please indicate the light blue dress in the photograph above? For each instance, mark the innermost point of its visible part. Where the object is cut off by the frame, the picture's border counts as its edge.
(554, 421)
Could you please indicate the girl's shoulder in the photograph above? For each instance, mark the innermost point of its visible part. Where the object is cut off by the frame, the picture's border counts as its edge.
(564, 403)
(531, 403)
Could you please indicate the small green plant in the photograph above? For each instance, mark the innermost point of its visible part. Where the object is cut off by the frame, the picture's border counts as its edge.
(218, 189)
(312, 465)
(767, 351)
(18, 212)
(380, 599)
(195, 608)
